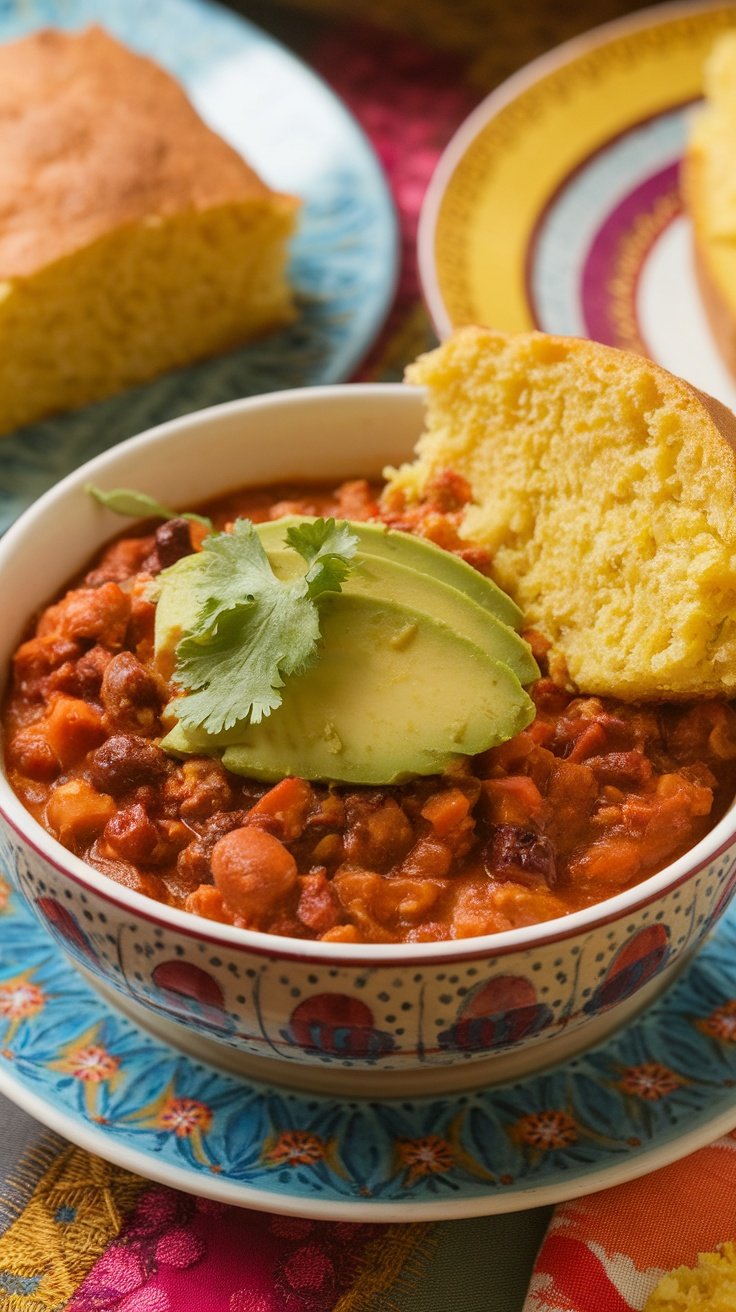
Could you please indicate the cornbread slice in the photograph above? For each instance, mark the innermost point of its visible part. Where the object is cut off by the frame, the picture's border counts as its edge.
(132, 238)
(708, 178)
(605, 490)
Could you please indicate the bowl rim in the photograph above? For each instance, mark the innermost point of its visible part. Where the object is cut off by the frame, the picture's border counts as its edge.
(714, 844)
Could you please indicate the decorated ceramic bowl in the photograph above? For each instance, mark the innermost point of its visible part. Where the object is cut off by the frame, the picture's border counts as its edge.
(360, 1019)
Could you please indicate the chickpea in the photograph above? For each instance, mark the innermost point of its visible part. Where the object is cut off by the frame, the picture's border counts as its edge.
(253, 871)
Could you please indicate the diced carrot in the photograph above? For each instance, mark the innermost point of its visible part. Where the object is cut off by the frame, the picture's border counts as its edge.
(76, 811)
(591, 741)
(512, 801)
(288, 803)
(72, 728)
(446, 810)
(341, 934)
(207, 901)
(612, 862)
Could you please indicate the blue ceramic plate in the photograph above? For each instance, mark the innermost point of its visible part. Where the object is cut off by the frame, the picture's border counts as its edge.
(656, 1091)
(301, 139)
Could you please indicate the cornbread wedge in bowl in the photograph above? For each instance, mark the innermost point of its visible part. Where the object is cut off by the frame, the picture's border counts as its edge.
(604, 491)
(133, 239)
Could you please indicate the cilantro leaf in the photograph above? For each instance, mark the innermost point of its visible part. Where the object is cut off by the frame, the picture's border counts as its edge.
(138, 505)
(328, 548)
(252, 630)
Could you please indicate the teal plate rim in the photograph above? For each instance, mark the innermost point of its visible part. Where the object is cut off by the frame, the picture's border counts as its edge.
(344, 257)
(655, 1091)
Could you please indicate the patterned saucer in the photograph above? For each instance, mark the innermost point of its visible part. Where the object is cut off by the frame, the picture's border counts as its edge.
(660, 1089)
(556, 205)
(295, 131)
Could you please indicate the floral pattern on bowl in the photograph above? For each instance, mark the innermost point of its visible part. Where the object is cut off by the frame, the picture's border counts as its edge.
(653, 1092)
(375, 1016)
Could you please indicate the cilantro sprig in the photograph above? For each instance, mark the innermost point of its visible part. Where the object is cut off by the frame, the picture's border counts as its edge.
(252, 630)
(138, 505)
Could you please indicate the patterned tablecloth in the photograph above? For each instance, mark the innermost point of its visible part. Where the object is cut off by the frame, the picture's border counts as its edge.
(78, 1233)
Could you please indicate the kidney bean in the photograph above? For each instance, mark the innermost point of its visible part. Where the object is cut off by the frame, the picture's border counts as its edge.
(132, 696)
(125, 761)
(172, 541)
(513, 852)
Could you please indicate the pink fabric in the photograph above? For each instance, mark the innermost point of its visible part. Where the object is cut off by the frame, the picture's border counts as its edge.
(176, 1253)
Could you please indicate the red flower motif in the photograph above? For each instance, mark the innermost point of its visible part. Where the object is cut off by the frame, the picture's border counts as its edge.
(429, 1155)
(546, 1130)
(296, 1148)
(91, 1065)
(721, 1024)
(650, 1081)
(20, 1000)
(184, 1116)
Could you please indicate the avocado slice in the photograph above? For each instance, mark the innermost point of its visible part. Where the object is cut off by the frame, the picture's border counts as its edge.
(382, 578)
(414, 553)
(393, 694)
(177, 605)
(412, 675)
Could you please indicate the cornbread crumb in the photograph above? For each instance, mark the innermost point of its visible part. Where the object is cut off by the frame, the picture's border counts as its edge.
(708, 1287)
(132, 238)
(605, 490)
(709, 190)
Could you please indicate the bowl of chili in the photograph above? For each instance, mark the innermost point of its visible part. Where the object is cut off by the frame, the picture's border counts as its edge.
(436, 933)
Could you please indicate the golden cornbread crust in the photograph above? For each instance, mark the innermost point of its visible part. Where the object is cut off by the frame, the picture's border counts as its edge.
(132, 238)
(95, 137)
(605, 490)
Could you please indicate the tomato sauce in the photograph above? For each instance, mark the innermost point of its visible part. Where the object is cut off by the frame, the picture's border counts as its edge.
(590, 799)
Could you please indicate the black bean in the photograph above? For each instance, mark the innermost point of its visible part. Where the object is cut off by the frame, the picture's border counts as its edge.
(173, 541)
